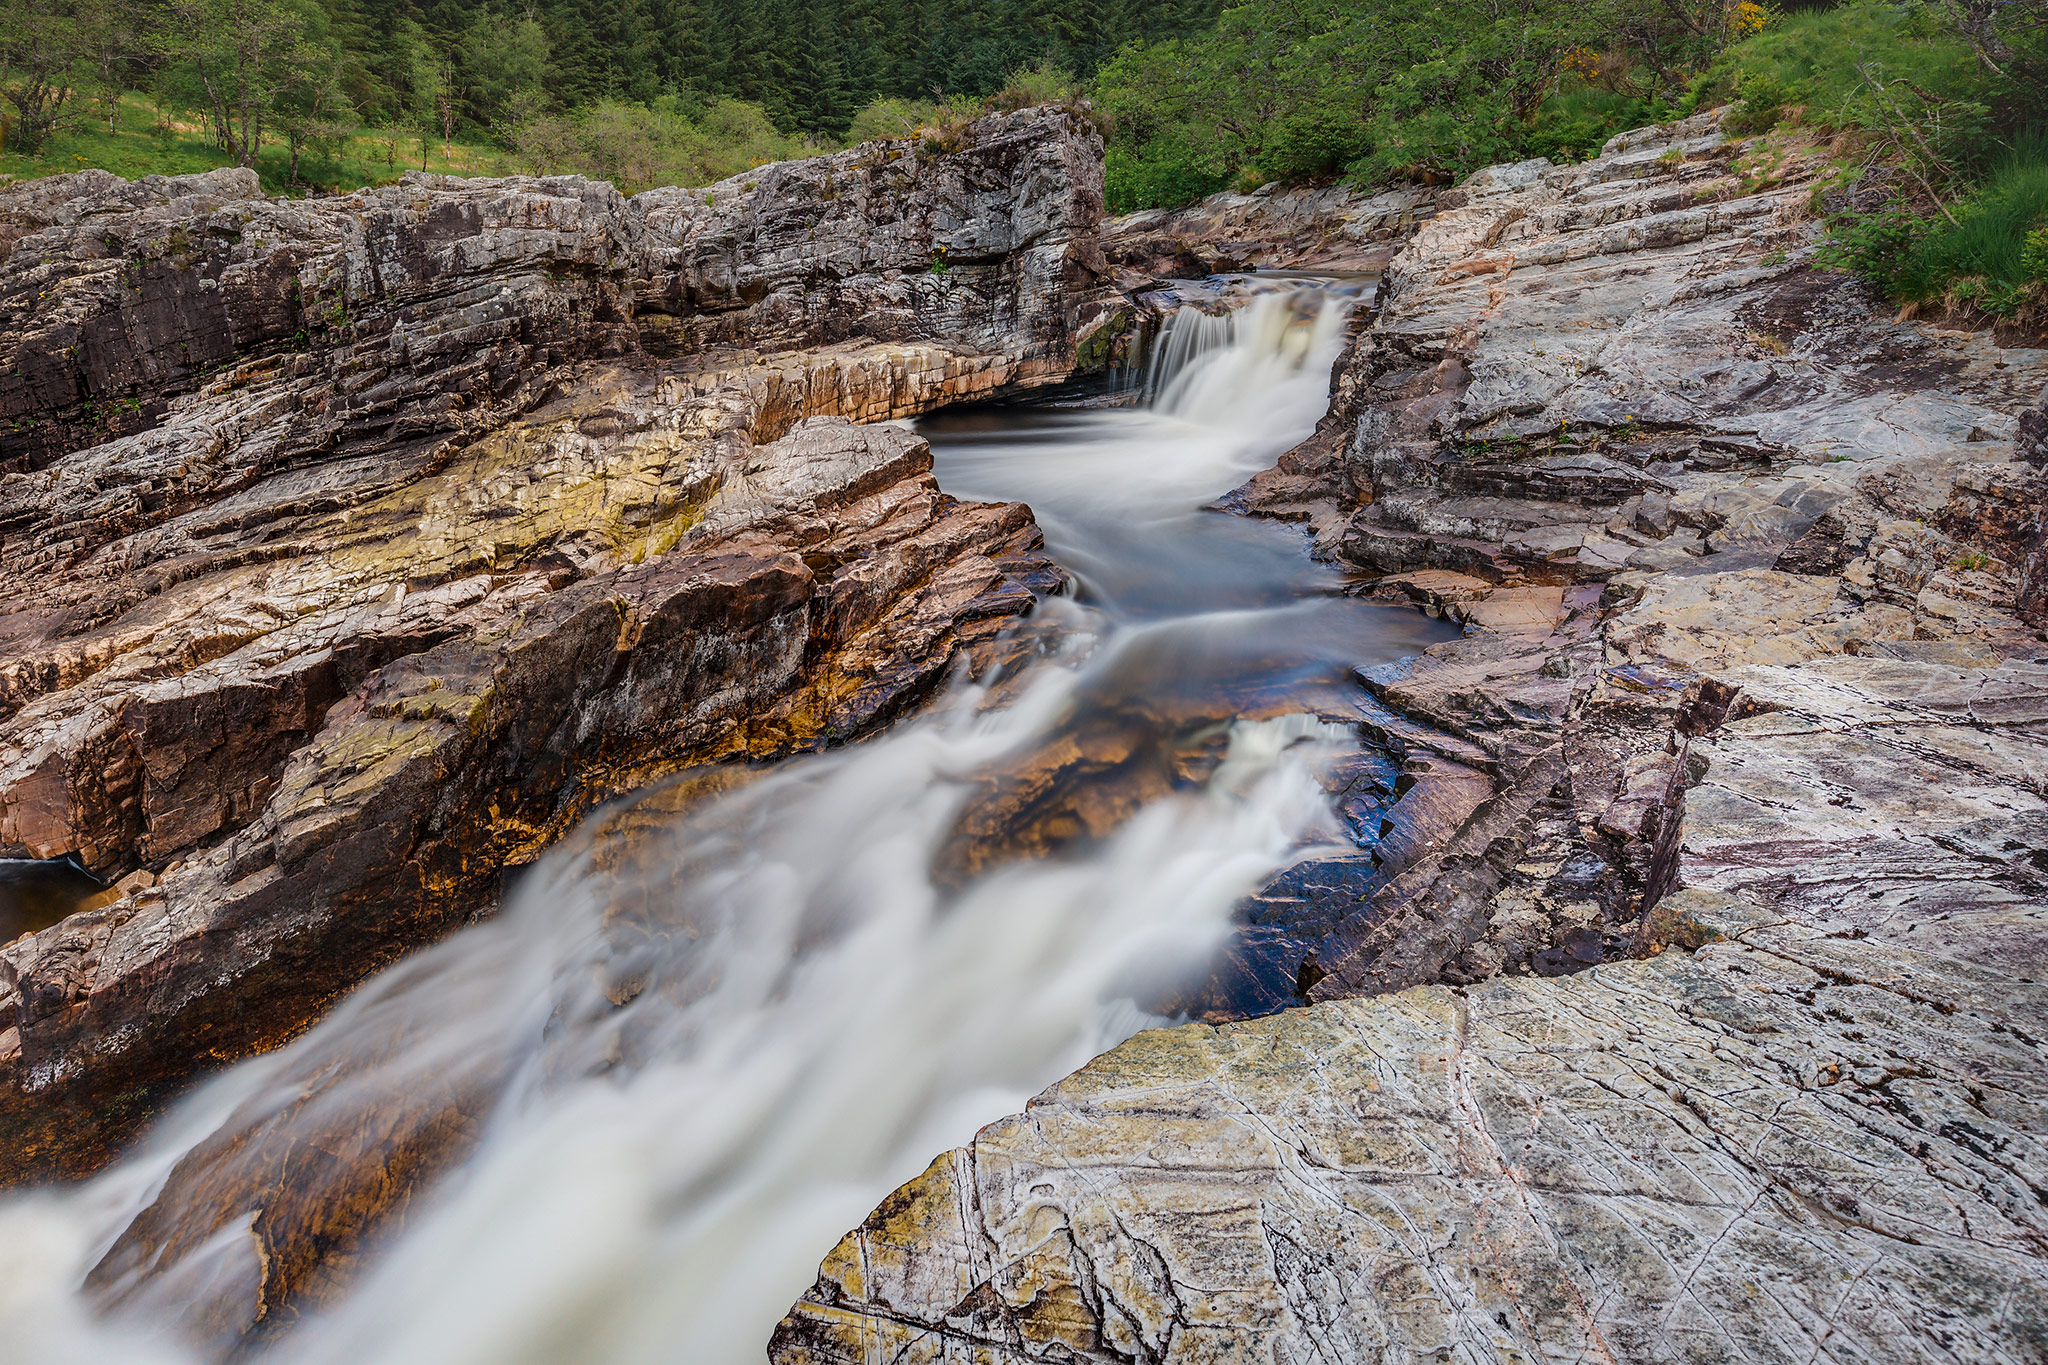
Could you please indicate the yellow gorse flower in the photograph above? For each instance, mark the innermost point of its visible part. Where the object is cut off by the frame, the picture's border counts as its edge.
(1746, 17)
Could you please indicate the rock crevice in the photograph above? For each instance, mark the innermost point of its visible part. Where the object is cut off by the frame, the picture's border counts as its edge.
(1697, 1013)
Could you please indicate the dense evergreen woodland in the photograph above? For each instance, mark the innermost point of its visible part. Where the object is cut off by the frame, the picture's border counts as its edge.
(810, 65)
(1937, 109)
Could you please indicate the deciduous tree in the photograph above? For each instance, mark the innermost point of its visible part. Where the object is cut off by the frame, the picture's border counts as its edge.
(42, 64)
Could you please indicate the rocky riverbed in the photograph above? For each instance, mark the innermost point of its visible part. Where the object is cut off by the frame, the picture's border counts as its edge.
(1751, 711)
(1689, 1004)
(355, 548)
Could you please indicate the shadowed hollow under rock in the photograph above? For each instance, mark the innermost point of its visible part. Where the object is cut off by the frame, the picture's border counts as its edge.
(355, 548)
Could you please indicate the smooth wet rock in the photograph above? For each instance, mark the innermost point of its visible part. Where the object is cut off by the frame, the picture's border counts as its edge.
(357, 547)
(1760, 796)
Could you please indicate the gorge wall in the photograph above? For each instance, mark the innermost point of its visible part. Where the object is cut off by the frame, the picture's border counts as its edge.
(1750, 718)
(351, 549)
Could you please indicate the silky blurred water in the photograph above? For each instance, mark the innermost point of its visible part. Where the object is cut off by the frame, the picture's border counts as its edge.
(697, 1047)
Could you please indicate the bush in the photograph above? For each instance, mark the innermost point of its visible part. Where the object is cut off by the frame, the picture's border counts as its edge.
(1763, 95)
(1993, 258)
(1039, 83)
(2034, 257)
(1824, 61)
(1163, 174)
(891, 119)
(638, 147)
(1573, 125)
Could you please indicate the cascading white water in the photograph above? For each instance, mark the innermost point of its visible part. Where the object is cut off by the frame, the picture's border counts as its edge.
(1210, 367)
(711, 1047)
(1189, 333)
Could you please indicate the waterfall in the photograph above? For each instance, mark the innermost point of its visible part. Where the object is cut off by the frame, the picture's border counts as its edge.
(1211, 367)
(1185, 336)
(704, 1038)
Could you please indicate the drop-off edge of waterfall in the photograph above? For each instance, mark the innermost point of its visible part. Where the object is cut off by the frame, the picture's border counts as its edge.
(708, 1034)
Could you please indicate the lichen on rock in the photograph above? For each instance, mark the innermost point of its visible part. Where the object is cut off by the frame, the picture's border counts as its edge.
(1696, 1009)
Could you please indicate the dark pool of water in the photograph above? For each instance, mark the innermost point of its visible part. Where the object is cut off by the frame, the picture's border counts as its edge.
(36, 894)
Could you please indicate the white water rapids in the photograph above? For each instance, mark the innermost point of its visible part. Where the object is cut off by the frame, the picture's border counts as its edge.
(712, 1047)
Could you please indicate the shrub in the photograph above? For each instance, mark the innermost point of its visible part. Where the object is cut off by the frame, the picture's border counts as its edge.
(2034, 257)
(889, 118)
(1837, 64)
(1572, 125)
(1165, 173)
(637, 147)
(1763, 95)
(1993, 257)
(1040, 83)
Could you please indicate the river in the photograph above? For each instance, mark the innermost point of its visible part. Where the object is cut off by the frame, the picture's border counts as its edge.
(705, 1036)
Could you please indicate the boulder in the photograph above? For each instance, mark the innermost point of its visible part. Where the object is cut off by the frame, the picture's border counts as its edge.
(354, 548)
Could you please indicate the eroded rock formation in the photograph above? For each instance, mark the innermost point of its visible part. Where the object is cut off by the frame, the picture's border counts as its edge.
(1330, 228)
(1751, 711)
(355, 547)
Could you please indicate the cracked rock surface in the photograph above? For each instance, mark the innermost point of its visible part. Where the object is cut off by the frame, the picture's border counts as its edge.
(1696, 1009)
(352, 549)
(1787, 1145)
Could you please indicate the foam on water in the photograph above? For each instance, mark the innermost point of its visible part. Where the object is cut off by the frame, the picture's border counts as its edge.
(711, 1045)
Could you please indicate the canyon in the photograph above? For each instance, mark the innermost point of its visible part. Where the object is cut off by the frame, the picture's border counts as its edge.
(1673, 988)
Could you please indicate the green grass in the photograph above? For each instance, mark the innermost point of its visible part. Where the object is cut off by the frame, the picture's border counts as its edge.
(136, 148)
(1810, 59)
(1983, 258)
(1994, 258)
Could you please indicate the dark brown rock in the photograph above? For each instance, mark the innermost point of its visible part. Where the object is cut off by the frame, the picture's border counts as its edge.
(422, 555)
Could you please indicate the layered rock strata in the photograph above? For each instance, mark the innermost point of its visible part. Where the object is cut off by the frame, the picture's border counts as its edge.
(354, 548)
(1332, 229)
(1751, 711)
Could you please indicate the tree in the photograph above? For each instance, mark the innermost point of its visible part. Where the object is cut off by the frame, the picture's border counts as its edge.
(41, 56)
(816, 91)
(110, 42)
(246, 56)
(504, 59)
(314, 110)
(420, 76)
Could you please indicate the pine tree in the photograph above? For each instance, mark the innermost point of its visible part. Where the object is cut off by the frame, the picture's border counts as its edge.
(816, 92)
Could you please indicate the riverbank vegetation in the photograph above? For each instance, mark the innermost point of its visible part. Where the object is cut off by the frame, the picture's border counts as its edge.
(326, 94)
(1934, 109)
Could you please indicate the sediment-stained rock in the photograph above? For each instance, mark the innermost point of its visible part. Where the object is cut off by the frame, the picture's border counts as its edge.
(1330, 228)
(354, 548)
(1750, 712)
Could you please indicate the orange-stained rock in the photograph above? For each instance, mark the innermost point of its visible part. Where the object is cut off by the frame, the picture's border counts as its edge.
(356, 547)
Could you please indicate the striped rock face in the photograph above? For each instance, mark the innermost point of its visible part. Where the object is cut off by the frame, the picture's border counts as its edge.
(356, 547)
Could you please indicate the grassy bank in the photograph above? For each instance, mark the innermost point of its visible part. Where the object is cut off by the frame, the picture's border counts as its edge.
(140, 144)
(1943, 192)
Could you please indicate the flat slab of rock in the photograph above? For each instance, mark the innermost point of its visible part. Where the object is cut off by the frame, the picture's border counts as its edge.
(1781, 1147)
(1751, 711)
